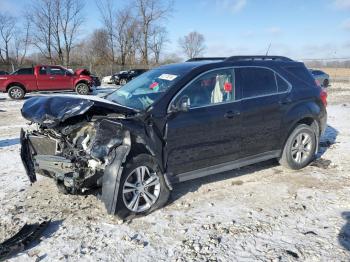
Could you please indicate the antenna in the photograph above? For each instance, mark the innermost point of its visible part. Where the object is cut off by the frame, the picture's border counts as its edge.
(268, 49)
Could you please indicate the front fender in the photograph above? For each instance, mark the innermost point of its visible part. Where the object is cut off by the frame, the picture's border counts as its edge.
(113, 172)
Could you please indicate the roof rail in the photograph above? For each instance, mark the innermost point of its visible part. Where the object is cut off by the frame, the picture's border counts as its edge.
(257, 57)
(195, 59)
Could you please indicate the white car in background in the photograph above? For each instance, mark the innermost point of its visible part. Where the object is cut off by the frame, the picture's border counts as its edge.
(107, 80)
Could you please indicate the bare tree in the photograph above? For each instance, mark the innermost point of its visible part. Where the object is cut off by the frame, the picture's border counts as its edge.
(192, 44)
(40, 17)
(7, 31)
(108, 13)
(55, 27)
(150, 12)
(22, 42)
(126, 34)
(70, 21)
(159, 37)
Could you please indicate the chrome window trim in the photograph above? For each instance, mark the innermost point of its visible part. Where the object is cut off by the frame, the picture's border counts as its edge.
(239, 100)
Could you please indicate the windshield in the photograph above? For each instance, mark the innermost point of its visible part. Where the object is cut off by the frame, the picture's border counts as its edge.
(143, 91)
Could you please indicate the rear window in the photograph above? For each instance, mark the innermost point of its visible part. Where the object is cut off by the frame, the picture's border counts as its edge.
(24, 71)
(301, 73)
(255, 81)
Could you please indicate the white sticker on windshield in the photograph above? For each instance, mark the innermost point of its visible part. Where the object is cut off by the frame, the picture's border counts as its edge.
(167, 77)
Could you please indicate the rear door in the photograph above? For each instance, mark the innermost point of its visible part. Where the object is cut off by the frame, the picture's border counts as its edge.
(263, 106)
(209, 132)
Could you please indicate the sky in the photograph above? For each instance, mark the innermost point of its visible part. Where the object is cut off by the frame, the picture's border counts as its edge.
(301, 29)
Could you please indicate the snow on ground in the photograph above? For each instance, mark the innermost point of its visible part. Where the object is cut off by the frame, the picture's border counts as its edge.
(261, 212)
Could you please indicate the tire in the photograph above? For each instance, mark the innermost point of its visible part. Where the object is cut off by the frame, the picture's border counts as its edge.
(123, 81)
(326, 83)
(16, 92)
(82, 89)
(156, 195)
(294, 156)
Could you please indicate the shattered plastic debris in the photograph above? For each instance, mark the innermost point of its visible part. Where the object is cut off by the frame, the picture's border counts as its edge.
(22, 239)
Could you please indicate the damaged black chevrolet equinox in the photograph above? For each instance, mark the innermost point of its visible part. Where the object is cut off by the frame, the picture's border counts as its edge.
(175, 123)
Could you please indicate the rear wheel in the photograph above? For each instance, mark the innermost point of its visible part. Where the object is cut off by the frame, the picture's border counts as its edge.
(16, 92)
(142, 188)
(300, 148)
(82, 89)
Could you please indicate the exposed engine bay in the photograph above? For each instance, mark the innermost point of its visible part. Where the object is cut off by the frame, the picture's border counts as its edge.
(75, 155)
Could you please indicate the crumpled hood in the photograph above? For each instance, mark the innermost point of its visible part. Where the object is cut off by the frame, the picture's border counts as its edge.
(50, 111)
(82, 71)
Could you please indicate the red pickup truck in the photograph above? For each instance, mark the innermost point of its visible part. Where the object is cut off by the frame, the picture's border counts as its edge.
(45, 78)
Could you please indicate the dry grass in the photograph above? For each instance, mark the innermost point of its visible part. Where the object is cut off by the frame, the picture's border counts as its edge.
(337, 72)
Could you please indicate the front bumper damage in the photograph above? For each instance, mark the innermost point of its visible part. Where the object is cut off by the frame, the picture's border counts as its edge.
(79, 157)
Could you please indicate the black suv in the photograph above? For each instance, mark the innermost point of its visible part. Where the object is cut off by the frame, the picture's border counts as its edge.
(175, 123)
(126, 76)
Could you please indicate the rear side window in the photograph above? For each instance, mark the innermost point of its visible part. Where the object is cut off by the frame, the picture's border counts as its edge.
(282, 85)
(24, 71)
(255, 81)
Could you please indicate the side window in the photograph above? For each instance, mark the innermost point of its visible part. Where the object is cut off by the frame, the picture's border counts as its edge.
(25, 71)
(42, 70)
(255, 81)
(282, 85)
(57, 71)
(211, 88)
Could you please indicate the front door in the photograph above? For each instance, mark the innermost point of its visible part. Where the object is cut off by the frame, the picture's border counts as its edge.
(44, 80)
(209, 132)
(60, 79)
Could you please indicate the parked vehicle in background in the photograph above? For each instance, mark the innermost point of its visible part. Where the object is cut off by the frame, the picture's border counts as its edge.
(3, 73)
(125, 76)
(45, 78)
(107, 80)
(175, 123)
(320, 76)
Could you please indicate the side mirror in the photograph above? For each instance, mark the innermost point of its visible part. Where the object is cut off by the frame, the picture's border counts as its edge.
(182, 105)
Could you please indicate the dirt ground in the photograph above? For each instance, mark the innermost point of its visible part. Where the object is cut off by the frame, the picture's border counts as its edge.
(261, 212)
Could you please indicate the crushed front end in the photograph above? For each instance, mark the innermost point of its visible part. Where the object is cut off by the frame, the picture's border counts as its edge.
(77, 153)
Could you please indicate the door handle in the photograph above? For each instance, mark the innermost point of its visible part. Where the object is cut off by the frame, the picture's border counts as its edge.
(52, 77)
(285, 101)
(232, 114)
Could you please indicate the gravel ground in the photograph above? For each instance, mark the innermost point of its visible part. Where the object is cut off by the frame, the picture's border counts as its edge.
(260, 212)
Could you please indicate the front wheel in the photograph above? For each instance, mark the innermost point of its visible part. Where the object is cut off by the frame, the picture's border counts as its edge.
(82, 89)
(16, 92)
(142, 188)
(300, 148)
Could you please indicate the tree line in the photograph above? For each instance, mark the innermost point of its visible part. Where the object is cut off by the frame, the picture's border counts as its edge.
(49, 31)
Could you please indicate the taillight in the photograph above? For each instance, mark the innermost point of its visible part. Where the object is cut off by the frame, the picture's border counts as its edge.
(323, 97)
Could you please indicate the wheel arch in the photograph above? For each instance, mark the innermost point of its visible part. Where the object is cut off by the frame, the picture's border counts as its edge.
(15, 84)
(82, 81)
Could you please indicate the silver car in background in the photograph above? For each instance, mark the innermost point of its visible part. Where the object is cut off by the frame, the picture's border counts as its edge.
(320, 76)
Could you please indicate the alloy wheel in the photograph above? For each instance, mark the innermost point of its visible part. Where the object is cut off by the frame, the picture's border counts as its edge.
(16, 93)
(301, 147)
(141, 189)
